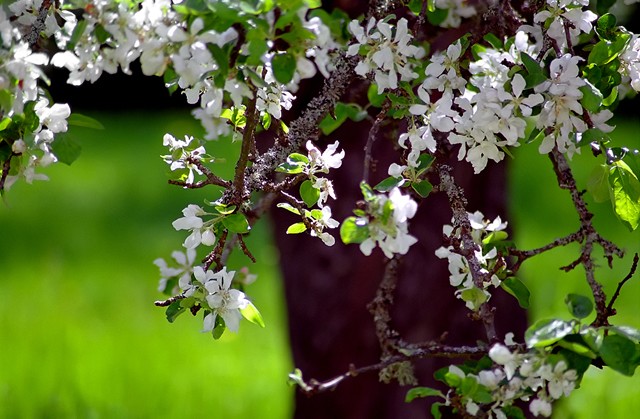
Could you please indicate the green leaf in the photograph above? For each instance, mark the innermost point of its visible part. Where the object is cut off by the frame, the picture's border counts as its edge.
(77, 33)
(225, 209)
(424, 162)
(367, 192)
(341, 113)
(546, 332)
(495, 237)
(593, 338)
(435, 410)
(388, 184)
(598, 183)
(625, 194)
(422, 188)
(606, 51)
(577, 348)
(236, 223)
(296, 228)
(577, 362)
(513, 412)
(284, 67)
(288, 207)
(535, 74)
(579, 306)
(594, 135)
(420, 392)
(354, 230)
(591, 97)
(219, 328)
(518, 289)
(251, 313)
(66, 149)
(308, 193)
(620, 354)
(174, 310)
(416, 6)
(313, 4)
(375, 99)
(474, 296)
(295, 164)
(80, 120)
(627, 331)
(436, 16)
(5, 123)
(606, 23)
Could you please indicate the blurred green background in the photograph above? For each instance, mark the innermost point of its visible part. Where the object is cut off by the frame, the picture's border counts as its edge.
(80, 337)
(79, 334)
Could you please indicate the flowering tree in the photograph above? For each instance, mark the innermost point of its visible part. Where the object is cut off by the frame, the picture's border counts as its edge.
(545, 75)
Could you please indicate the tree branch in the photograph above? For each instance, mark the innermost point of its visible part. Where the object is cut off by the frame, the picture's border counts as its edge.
(458, 204)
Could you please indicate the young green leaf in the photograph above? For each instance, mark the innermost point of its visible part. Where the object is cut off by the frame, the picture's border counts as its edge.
(174, 310)
(625, 194)
(420, 392)
(546, 332)
(236, 223)
(66, 149)
(518, 289)
(251, 313)
(288, 207)
(353, 230)
(284, 67)
(308, 193)
(422, 188)
(579, 306)
(620, 354)
(598, 183)
(81, 120)
(296, 228)
(389, 183)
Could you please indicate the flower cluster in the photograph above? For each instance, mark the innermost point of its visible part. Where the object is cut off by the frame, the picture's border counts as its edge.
(183, 156)
(201, 232)
(386, 54)
(383, 222)
(533, 377)
(485, 235)
(29, 122)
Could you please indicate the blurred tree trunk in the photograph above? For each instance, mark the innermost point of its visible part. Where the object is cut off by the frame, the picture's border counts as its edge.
(328, 288)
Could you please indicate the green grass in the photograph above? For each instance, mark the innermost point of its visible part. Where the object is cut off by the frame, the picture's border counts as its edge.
(79, 335)
(542, 212)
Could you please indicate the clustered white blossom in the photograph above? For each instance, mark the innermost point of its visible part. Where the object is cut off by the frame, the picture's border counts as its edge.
(201, 231)
(183, 271)
(183, 155)
(389, 231)
(460, 272)
(19, 75)
(531, 377)
(387, 55)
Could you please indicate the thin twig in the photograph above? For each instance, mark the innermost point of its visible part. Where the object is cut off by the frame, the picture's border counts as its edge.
(245, 249)
(610, 310)
(589, 234)
(5, 170)
(437, 351)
